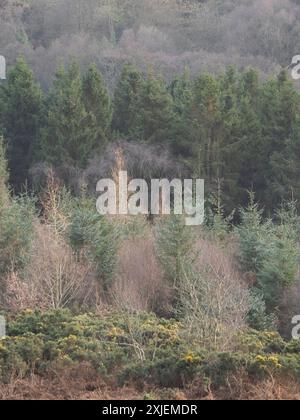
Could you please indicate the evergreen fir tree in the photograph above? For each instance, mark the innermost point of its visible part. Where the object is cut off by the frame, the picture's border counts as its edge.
(71, 132)
(182, 94)
(97, 103)
(204, 122)
(155, 112)
(126, 100)
(21, 101)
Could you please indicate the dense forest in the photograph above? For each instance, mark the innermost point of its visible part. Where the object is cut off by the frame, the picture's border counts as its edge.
(136, 307)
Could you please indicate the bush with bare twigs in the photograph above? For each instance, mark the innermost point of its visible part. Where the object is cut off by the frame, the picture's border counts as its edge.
(139, 282)
(214, 300)
(53, 278)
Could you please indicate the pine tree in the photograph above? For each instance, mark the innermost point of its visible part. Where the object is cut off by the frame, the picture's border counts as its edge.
(126, 100)
(226, 161)
(281, 172)
(269, 252)
(181, 91)
(204, 121)
(21, 101)
(253, 235)
(243, 153)
(182, 94)
(175, 242)
(279, 269)
(70, 134)
(155, 112)
(97, 103)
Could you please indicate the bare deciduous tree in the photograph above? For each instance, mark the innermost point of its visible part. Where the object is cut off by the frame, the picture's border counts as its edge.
(140, 284)
(214, 300)
(53, 279)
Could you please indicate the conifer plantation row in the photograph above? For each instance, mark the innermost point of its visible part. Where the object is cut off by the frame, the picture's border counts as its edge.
(233, 129)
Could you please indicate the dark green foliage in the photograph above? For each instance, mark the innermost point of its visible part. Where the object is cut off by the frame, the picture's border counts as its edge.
(155, 117)
(279, 269)
(97, 103)
(126, 101)
(230, 129)
(16, 233)
(258, 318)
(69, 135)
(100, 237)
(253, 237)
(143, 108)
(269, 252)
(78, 117)
(21, 101)
(176, 248)
(182, 94)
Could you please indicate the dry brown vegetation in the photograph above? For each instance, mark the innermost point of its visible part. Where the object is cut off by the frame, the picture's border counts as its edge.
(140, 282)
(53, 278)
(88, 386)
(215, 299)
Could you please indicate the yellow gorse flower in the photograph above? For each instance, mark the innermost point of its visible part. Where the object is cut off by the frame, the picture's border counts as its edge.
(268, 362)
(115, 332)
(190, 358)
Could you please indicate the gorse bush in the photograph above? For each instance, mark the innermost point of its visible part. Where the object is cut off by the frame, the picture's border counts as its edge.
(135, 347)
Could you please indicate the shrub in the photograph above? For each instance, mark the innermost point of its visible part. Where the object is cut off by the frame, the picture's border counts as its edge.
(176, 248)
(135, 347)
(3, 176)
(15, 234)
(253, 237)
(53, 278)
(100, 237)
(269, 252)
(279, 269)
(258, 318)
(214, 302)
(139, 283)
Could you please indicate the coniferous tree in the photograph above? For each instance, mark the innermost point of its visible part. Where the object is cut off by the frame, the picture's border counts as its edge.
(204, 122)
(182, 94)
(126, 100)
(21, 102)
(226, 161)
(97, 103)
(282, 143)
(243, 153)
(71, 132)
(155, 122)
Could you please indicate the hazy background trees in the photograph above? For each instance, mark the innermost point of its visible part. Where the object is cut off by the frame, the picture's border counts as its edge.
(168, 34)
